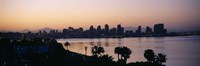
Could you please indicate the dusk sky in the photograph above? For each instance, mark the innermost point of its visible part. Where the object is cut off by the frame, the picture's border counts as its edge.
(16, 15)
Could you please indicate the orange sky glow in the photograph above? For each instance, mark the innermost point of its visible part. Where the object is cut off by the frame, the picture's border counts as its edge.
(16, 15)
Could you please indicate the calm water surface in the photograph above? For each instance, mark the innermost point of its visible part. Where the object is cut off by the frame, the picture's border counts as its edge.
(180, 51)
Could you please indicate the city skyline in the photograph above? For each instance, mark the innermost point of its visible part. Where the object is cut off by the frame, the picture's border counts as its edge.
(132, 28)
(177, 15)
(99, 32)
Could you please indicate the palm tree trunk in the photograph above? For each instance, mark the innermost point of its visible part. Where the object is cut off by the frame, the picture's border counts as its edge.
(118, 56)
(125, 59)
(121, 56)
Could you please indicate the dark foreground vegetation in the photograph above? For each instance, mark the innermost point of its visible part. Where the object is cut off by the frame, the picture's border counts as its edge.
(48, 52)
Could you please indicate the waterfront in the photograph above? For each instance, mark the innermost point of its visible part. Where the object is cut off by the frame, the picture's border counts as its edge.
(180, 50)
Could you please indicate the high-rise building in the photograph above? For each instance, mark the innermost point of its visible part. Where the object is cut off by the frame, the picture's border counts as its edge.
(113, 31)
(92, 32)
(106, 30)
(70, 29)
(120, 30)
(159, 29)
(148, 30)
(78, 32)
(139, 30)
(81, 29)
(99, 31)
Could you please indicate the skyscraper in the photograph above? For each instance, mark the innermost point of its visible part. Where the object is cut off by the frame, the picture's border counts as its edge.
(139, 30)
(159, 29)
(106, 30)
(113, 32)
(120, 30)
(92, 32)
(99, 31)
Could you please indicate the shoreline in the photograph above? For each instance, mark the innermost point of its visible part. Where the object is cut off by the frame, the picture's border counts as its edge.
(128, 37)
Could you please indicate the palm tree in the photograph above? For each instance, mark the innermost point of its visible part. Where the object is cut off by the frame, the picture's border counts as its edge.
(117, 51)
(126, 52)
(150, 55)
(161, 58)
(86, 50)
(100, 50)
(97, 50)
(67, 45)
(94, 50)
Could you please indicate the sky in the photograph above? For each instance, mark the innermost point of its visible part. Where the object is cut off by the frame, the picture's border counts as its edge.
(177, 15)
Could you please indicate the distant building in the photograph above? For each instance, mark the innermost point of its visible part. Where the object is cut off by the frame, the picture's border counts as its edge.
(78, 33)
(65, 33)
(139, 30)
(99, 31)
(148, 30)
(113, 32)
(159, 29)
(40, 32)
(52, 31)
(120, 30)
(92, 32)
(44, 32)
(81, 29)
(129, 33)
(71, 29)
(106, 30)
(72, 33)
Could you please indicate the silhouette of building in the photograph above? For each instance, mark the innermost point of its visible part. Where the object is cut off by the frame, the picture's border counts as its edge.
(120, 30)
(72, 33)
(99, 31)
(44, 32)
(139, 30)
(40, 33)
(159, 29)
(129, 33)
(91, 30)
(65, 33)
(113, 32)
(78, 33)
(52, 31)
(54, 34)
(106, 30)
(148, 30)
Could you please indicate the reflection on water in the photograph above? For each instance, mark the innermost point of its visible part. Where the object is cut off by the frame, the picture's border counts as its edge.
(119, 41)
(107, 42)
(99, 42)
(180, 51)
(159, 40)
